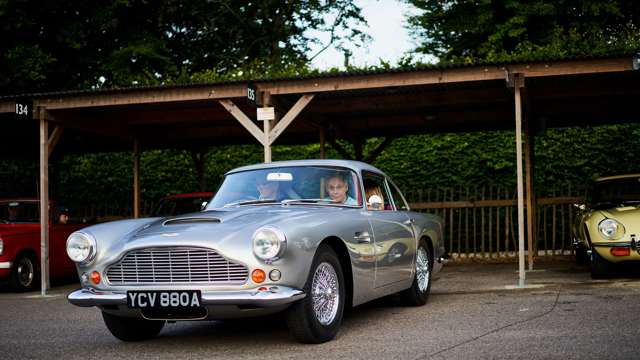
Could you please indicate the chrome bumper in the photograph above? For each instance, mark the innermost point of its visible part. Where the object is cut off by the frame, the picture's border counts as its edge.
(273, 296)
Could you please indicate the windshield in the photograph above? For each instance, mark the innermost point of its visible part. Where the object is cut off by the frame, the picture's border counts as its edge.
(618, 191)
(19, 212)
(304, 184)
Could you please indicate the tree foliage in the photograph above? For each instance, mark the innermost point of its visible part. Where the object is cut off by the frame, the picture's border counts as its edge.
(499, 30)
(72, 44)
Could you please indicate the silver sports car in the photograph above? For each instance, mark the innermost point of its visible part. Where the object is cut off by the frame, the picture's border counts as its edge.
(306, 237)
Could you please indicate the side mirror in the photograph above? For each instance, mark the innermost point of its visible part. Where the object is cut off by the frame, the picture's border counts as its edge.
(203, 205)
(375, 202)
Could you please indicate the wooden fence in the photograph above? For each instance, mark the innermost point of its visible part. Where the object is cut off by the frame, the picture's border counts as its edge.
(478, 221)
(482, 221)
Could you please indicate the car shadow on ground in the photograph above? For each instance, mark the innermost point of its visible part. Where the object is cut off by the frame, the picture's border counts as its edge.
(5, 288)
(267, 330)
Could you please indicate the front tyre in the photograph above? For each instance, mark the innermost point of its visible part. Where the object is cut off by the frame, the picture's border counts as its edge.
(132, 329)
(600, 267)
(418, 293)
(25, 275)
(317, 318)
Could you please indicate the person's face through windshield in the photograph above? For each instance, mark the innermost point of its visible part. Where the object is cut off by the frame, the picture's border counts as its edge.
(268, 190)
(337, 189)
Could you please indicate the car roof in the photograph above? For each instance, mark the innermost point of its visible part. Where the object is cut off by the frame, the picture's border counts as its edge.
(357, 166)
(617, 177)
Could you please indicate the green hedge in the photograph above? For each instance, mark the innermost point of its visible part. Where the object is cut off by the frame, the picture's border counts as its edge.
(564, 158)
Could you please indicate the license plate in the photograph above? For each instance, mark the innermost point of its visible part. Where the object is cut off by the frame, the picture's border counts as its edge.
(160, 299)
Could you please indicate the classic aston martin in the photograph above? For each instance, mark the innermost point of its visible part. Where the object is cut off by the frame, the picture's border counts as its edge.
(606, 229)
(306, 237)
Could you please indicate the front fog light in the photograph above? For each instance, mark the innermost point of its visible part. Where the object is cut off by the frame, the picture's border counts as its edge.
(275, 275)
(81, 247)
(269, 243)
(611, 229)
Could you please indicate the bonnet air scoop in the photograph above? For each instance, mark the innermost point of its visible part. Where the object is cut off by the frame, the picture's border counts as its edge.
(191, 220)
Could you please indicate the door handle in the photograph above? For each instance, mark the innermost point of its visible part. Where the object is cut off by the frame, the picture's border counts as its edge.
(409, 222)
(362, 237)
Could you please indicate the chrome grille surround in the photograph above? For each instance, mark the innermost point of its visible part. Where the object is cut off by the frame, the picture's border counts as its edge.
(175, 265)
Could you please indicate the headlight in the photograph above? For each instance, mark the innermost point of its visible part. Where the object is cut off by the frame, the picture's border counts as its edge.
(81, 247)
(269, 243)
(611, 229)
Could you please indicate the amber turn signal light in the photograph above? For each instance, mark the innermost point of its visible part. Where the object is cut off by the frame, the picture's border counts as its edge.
(621, 251)
(258, 276)
(95, 278)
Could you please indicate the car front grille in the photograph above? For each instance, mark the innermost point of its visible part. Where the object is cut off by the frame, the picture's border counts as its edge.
(175, 265)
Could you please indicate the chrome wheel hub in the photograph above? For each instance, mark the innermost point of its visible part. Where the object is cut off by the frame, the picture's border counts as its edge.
(423, 275)
(325, 295)
(25, 272)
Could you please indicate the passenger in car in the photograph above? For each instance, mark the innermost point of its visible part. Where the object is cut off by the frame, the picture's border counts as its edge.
(267, 190)
(370, 191)
(337, 188)
(63, 215)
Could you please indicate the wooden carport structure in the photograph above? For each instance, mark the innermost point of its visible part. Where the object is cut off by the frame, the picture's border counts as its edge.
(352, 106)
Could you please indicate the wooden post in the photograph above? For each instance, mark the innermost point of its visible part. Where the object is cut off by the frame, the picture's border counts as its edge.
(518, 83)
(136, 178)
(199, 158)
(529, 141)
(357, 148)
(44, 201)
(266, 102)
(322, 143)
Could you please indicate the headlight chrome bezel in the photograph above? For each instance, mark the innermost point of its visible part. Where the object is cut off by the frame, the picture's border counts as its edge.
(611, 229)
(91, 246)
(278, 241)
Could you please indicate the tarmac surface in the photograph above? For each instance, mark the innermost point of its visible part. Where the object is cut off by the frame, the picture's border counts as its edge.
(475, 312)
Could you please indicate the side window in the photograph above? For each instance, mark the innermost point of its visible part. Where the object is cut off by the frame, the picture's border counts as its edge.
(401, 205)
(374, 185)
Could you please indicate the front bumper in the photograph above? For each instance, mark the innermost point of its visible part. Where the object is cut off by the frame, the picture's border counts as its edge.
(5, 269)
(604, 250)
(272, 296)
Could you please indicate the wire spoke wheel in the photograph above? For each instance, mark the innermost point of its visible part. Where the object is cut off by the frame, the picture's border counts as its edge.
(325, 293)
(423, 273)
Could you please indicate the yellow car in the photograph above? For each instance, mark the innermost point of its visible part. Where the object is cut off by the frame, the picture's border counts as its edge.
(606, 230)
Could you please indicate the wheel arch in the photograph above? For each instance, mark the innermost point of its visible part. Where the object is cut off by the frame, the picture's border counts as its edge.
(340, 248)
(30, 253)
(429, 243)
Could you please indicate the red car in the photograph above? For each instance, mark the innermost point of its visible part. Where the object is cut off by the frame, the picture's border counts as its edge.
(182, 204)
(20, 243)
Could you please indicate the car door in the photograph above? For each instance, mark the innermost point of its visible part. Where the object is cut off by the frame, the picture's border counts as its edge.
(392, 234)
(61, 265)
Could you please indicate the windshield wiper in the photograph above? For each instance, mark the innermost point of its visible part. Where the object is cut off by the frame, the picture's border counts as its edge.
(251, 202)
(315, 201)
(306, 201)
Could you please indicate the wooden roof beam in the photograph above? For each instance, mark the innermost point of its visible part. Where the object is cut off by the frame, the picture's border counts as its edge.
(300, 86)
(289, 117)
(244, 120)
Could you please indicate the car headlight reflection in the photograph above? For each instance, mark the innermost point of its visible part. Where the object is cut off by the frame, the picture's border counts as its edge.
(81, 247)
(269, 243)
(611, 229)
